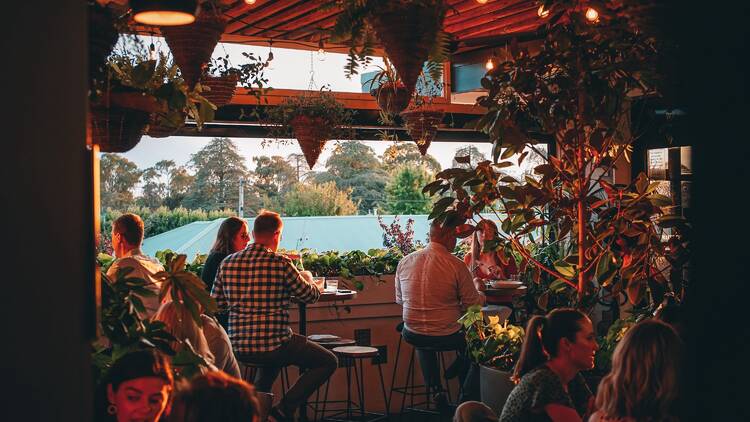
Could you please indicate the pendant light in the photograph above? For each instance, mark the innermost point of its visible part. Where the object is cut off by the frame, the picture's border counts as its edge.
(164, 12)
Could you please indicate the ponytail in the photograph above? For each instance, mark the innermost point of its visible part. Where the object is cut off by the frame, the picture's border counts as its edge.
(532, 352)
(543, 335)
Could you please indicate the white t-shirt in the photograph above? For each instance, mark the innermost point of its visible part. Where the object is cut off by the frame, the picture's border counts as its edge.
(144, 267)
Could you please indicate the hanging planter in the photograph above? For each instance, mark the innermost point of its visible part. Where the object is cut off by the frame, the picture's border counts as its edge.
(164, 125)
(119, 120)
(392, 98)
(411, 32)
(312, 135)
(312, 119)
(193, 44)
(102, 38)
(221, 89)
(422, 126)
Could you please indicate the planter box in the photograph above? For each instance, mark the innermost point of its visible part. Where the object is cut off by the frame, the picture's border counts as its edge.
(494, 387)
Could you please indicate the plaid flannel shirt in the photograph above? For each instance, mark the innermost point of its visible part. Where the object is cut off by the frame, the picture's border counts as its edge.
(256, 285)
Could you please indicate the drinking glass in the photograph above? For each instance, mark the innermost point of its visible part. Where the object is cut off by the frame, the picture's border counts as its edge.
(319, 282)
(332, 285)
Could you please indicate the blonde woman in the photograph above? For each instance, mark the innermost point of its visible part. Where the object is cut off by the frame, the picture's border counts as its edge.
(181, 325)
(643, 384)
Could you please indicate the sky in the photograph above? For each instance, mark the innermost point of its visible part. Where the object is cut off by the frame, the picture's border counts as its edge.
(289, 69)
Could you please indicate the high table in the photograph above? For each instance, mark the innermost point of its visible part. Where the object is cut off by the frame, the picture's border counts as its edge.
(504, 297)
(324, 297)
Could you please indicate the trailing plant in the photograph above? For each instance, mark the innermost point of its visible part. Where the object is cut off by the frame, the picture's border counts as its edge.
(575, 90)
(321, 106)
(249, 74)
(490, 343)
(418, 32)
(347, 266)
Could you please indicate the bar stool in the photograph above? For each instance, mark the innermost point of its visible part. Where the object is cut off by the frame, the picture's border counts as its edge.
(250, 369)
(319, 406)
(412, 389)
(354, 356)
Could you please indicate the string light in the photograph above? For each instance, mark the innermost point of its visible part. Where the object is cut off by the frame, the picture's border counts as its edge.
(152, 51)
(321, 50)
(489, 65)
(482, 1)
(592, 15)
(250, 2)
(269, 65)
(542, 12)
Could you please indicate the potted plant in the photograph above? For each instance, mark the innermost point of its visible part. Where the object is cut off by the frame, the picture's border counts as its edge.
(388, 89)
(422, 119)
(493, 348)
(576, 90)
(410, 31)
(220, 78)
(313, 119)
(193, 44)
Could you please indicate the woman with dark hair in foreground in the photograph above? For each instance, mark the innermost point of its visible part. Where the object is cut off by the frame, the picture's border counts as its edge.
(549, 384)
(216, 396)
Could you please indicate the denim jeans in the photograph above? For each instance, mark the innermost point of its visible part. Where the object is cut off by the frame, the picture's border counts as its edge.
(428, 359)
(318, 362)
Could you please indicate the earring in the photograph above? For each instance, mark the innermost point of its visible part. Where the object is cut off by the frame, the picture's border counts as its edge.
(112, 409)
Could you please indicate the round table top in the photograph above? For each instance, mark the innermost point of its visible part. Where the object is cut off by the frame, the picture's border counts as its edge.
(356, 351)
(505, 292)
(339, 295)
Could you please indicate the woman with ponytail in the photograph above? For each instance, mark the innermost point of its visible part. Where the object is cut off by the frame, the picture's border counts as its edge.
(549, 384)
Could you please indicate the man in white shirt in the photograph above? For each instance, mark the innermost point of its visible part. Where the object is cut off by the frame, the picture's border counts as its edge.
(435, 288)
(127, 236)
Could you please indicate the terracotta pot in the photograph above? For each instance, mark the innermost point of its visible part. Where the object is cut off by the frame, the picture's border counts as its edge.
(422, 125)
(117, 129)
(192, 45)
(406, 31)
(222, 88)
(102, 38)
(391, 99)
(312, 135)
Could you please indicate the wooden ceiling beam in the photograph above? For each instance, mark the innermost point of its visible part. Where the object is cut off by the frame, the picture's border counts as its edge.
(257, 14)
(287, 17)
(492, 19)
(498, 25)
(482, 10)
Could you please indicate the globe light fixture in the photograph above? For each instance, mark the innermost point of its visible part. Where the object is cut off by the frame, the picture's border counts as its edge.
(163, 12)
(592, 15)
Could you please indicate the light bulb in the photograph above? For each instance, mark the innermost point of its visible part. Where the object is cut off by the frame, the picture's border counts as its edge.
(250, 2)
(321, 50)
(541, 12)
(152, 52)
(482, 1)
(592, 15)
(489, 65)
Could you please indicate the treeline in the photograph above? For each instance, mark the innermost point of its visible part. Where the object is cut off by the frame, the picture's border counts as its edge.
(355, 181)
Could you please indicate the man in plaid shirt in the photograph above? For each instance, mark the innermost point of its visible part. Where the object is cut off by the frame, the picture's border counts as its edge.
(256, 285)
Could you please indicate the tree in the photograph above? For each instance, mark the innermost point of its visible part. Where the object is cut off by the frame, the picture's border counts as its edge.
(118, 178)
(300, 166)
(404, 190)
(353, 165)
(218, 170)
(273, 176)
(155, 189)
(180, 182)
(408, 153)
(309, 199)
(475, 157)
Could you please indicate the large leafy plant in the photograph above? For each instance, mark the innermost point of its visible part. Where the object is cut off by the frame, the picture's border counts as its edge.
(576, 90)
(490, 343)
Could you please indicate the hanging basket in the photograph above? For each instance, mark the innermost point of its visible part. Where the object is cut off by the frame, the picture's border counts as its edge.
(193, 44)
(422, 125)
(102, 38)
(312, 134)
(392, 99)
(119, 120)
(117, 129)
(406, 31)
(222, 88)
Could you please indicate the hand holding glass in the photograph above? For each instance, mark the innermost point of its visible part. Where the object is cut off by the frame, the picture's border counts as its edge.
(319, 283)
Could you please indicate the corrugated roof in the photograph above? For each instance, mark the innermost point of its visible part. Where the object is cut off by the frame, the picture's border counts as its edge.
(341, 233)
